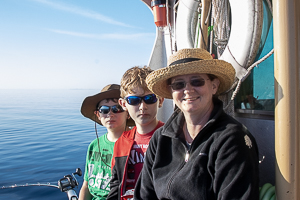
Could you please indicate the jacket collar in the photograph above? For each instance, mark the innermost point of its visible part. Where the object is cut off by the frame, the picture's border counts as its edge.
(129, 135)
(173, 127)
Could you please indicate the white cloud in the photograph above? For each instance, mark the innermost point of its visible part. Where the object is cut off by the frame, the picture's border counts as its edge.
(105, 36)
(82, 12)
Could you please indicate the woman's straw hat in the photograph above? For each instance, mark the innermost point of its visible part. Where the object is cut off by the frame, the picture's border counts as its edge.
(190, 61)
(89, 105)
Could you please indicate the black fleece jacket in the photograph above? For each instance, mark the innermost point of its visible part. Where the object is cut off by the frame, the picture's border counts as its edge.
(222, 162)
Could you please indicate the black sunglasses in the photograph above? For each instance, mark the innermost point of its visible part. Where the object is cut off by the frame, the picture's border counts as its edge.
(178, 85)
(135, 100)
(114, 109)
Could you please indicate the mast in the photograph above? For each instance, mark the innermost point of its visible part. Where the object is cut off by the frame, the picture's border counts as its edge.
(286, 16)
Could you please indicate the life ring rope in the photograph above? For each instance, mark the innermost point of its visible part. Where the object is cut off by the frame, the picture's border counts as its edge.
(248, 72)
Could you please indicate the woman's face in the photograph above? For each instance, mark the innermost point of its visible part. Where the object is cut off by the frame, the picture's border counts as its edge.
(194, 99)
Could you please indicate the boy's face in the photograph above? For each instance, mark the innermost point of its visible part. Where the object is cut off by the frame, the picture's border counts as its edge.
(112, 120)
(143, 114)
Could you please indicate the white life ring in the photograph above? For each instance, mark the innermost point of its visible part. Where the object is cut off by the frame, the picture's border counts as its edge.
(245, 35)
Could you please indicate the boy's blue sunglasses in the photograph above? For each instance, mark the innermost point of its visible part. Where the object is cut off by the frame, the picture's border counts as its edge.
(114, 109)
(136, 100)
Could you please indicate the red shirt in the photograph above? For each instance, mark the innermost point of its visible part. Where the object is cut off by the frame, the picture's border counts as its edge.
(136, 159)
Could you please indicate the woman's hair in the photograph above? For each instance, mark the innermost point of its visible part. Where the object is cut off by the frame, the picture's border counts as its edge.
(133, 78)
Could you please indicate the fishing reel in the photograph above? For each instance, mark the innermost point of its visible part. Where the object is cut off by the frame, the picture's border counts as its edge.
(66, 184)
(69, 182)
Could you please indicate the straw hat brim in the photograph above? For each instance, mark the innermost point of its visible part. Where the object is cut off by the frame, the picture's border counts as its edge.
(90, 103)
(157, 80)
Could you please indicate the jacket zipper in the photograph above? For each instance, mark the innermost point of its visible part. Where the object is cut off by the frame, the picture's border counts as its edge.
(187, 155)
(123, 181)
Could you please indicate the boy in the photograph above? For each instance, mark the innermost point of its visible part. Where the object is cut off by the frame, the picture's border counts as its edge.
(130, 148)
(104, 109)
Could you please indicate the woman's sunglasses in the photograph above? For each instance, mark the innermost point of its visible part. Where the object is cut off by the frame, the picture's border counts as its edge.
(136, 100)
(179, 85)
(114, 109)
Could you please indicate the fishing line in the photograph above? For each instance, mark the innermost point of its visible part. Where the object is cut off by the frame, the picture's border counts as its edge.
(27, 185)
(98, 138)
(65, 184)
(99, 144)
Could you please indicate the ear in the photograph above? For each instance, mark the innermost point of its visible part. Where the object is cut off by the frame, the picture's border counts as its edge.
(122, 103)
(215, 85)
(96, 112)
(160, 101)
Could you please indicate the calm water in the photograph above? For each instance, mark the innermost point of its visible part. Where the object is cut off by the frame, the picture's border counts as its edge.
(43, 137)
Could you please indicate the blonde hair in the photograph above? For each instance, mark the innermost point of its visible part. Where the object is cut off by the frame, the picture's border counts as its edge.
(133, 78)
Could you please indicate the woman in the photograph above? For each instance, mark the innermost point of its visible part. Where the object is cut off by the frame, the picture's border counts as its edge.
(201, 152)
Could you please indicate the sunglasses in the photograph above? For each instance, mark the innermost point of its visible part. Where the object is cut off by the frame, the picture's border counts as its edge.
(135, 100)
(179, 85)
(114, 109)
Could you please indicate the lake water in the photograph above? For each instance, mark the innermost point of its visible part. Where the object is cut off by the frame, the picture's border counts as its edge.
(43, 137)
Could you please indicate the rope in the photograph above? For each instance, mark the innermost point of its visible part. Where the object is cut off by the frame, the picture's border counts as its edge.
(100, 155)
(221, 23)
(249, 71)
(254, 64)
(209, 11)
(270, 6)
(211, 36)
(176, 6)
(169, 26)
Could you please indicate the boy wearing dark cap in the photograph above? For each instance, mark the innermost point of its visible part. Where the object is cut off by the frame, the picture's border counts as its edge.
(104, 109)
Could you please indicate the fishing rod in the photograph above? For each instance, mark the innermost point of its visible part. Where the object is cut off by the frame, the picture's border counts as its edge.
(65, 184)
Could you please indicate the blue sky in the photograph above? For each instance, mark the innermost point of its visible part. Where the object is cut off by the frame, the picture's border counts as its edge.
(72, 44)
